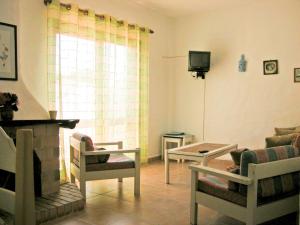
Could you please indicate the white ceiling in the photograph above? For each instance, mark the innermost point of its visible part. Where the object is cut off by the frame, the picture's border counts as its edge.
(177, 8)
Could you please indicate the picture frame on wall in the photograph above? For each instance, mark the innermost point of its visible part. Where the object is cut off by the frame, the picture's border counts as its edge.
(297, 75)
(8, 52)
(270, 67)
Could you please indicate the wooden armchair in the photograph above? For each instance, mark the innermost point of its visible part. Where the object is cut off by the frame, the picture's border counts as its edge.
(118, 165)
(19, 161)
(250, 207)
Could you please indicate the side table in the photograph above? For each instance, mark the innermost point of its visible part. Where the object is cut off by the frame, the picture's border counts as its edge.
(169, 141)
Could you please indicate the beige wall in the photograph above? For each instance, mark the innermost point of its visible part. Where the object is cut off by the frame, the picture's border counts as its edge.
(31, 64)
(241, 108)
(30, 16)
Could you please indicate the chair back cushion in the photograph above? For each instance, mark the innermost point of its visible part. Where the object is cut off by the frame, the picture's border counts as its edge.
(274, 185)
(281, 140)
(236, 155)
(296, 143)
(89, 146)
(288, 130)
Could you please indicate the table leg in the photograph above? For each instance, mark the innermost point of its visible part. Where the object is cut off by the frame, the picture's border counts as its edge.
(204, 163)
(162, 148)
(167, 168)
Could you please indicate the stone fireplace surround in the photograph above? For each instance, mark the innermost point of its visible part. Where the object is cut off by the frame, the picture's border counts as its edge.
(52, 199)
(46, 150)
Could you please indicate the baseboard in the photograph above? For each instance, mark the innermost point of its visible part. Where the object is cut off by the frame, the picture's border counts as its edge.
(154, 158)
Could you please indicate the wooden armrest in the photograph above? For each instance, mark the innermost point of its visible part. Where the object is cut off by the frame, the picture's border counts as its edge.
(104, 152)
(108, 143)
(222, 174)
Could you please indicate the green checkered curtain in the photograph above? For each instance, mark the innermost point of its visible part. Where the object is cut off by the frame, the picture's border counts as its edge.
(98, 70)
(144, 92)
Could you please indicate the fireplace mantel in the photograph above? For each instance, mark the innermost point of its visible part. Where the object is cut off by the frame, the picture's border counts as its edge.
(67, 123)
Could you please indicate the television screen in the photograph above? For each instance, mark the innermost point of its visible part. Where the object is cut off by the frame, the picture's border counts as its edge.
(199, 61)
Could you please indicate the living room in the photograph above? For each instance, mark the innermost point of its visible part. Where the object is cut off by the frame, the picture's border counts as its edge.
(228, 106)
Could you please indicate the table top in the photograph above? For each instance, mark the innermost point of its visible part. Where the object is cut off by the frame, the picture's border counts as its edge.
(202, 149)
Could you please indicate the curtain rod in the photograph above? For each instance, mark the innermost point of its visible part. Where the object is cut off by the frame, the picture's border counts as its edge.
(85, 11)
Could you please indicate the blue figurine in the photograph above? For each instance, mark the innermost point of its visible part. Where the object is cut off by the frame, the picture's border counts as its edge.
(242, 64)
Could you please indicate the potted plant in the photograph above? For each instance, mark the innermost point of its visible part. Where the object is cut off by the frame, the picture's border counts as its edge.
(8, 104)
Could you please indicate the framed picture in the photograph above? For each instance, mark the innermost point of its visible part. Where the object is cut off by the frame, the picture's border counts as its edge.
(297, 74)
(270, 67)
(8, 52)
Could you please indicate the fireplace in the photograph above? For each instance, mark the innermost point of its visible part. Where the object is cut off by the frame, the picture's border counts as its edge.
(52, 199)
(46, 150)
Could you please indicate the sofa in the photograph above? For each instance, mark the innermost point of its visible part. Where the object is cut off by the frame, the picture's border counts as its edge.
(262, 185)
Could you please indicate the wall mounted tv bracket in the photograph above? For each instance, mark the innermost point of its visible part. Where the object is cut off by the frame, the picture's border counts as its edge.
(198, 74)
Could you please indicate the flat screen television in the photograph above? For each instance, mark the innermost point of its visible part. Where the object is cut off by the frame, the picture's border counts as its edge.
(199, 61)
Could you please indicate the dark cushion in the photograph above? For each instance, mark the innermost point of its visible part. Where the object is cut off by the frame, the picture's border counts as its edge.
(6, 218)
(280, 140)
(116, 161)
(236, 155)
(275, 185)
(233, 186)
(7, 180)
(89, 146)
(218, 188)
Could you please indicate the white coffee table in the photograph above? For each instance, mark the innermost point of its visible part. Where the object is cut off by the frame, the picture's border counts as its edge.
(191, 152)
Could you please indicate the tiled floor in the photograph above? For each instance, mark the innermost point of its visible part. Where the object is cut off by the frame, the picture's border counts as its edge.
(113, 203)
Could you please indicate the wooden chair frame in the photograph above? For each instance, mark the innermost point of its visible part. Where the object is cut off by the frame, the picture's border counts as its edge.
(251, 214)
(82, 175)
(18, 160)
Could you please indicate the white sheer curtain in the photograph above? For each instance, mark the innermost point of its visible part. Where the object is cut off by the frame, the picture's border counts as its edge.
(98, 73)
(106, 101)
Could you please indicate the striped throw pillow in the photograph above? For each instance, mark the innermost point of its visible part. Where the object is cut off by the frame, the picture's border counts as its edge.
(274, 185)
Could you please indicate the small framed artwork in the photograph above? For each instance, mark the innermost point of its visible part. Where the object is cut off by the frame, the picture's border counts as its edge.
(297, 74)
(270, 67)
(8, 52)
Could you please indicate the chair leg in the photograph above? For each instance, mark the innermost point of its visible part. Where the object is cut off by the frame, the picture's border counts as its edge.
(83, 188)
(194, 213)
(137, 186)
(120, 179)
(194, 204)
(250, 220)
(252, 199)
(250, 223)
